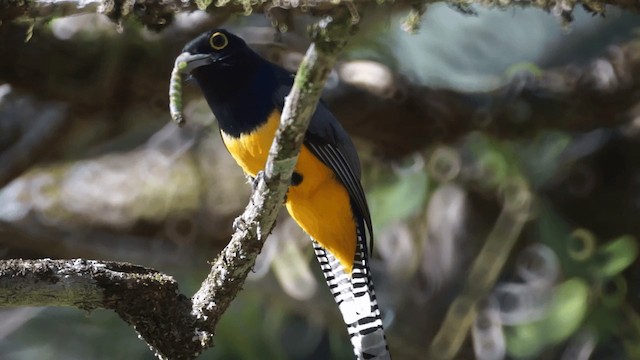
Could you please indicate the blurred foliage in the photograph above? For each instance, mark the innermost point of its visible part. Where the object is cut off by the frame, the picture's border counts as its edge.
(539, 232)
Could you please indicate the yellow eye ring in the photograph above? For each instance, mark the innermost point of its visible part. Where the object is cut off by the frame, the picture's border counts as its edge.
(218, 41)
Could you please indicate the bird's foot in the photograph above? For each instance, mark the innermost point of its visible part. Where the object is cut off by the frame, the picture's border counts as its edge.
(256, 180)
(239, 224)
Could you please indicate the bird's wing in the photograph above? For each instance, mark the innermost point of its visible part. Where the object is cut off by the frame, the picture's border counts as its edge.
(337, 158)
(328, 141)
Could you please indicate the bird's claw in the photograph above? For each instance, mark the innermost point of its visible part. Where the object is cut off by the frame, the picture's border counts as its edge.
(239, 224)
(256, 180)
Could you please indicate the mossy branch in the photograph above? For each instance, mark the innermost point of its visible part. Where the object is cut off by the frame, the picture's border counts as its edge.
(157, 14)
(233, 265)
(173, 325)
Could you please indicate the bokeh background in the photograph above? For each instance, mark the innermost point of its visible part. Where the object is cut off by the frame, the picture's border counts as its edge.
(501, 159)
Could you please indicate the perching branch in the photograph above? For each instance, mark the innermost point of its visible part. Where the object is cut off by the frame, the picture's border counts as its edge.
(145, 298)
(174, 326)
(233, 265)
(601, 93)
(85, 284)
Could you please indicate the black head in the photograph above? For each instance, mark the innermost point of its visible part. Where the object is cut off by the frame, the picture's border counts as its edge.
(220, 62)
(216, 47)
(237, 83)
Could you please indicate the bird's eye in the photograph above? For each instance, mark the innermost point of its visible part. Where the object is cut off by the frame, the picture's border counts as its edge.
(218, 41)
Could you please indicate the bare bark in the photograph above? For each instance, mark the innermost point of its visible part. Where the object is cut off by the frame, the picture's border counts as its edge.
(600, 94)
(573, 98)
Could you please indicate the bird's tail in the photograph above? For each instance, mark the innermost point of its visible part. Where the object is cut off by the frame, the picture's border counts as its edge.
(356, 300)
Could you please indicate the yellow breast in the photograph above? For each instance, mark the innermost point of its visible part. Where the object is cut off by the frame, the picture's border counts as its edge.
(251, 150)
(319, 204)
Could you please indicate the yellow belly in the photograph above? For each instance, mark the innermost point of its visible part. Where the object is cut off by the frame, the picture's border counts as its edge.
(319, 204)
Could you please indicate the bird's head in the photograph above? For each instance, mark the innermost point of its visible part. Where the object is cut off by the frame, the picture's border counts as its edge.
(215, 49)
(236, 82)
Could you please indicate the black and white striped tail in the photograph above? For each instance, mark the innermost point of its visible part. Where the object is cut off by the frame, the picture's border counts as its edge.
(356, 299)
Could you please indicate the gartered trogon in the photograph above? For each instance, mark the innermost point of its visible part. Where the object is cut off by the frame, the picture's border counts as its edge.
(246, 94)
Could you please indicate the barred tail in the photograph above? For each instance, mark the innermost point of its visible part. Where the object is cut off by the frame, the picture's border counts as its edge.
(356, 299)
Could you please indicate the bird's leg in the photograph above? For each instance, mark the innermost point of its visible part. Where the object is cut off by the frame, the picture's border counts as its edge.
(256, 180)
(252, 180)
(296, 179)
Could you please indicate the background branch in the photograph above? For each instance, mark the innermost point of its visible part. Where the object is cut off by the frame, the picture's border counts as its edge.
(157, 14)
(573, 98)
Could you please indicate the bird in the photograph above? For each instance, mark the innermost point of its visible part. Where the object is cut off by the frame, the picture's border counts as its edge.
(246, 93)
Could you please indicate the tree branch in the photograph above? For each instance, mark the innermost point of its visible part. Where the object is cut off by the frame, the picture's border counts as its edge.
(54, 283)
(157, 14)
(572, 98)
(144, 298)
(232, 266)
(174, 326)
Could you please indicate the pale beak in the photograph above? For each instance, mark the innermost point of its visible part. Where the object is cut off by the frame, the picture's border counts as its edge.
(195, 61)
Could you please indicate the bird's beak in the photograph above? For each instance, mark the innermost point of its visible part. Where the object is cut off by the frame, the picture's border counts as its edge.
(195, 61)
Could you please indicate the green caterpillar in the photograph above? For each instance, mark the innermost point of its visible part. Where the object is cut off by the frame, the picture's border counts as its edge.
(175, 89)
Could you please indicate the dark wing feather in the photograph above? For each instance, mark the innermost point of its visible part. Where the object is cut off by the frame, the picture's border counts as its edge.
(334, 158)
(327, 140)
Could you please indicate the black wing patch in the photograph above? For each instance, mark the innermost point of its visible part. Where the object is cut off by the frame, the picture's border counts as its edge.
(334, 159)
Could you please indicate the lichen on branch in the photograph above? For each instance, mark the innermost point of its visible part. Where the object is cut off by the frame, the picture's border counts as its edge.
(158, 14)
(232, 266)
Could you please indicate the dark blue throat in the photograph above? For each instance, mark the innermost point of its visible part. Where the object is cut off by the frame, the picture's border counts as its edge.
(240, 94)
